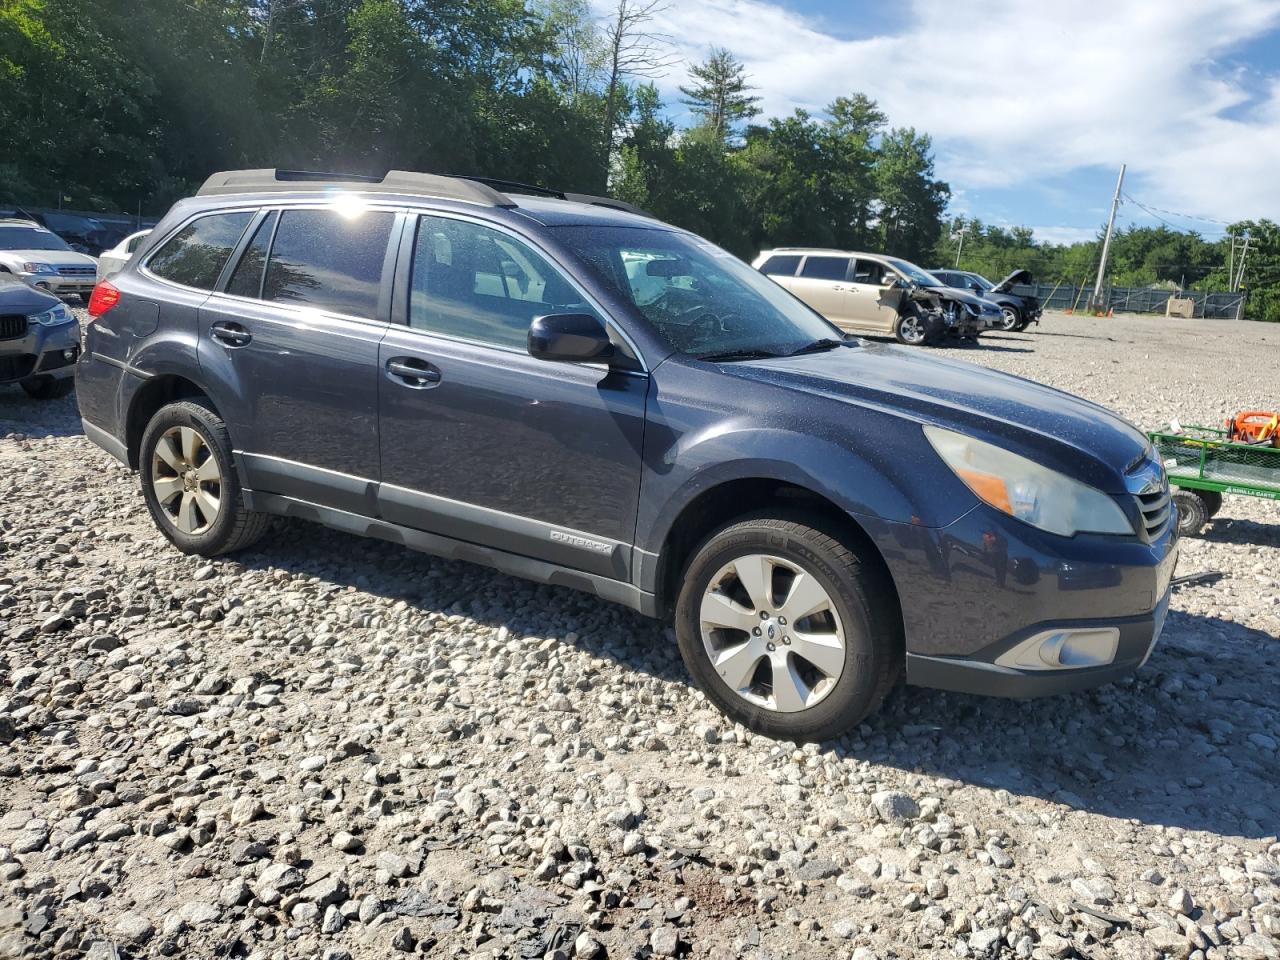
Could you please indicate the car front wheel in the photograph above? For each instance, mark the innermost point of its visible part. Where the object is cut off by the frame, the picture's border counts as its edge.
(190, 484)
(912, 329)
(786, 630)
(1011, 319)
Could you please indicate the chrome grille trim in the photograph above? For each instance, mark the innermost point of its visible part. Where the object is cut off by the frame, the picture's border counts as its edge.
(77, 271)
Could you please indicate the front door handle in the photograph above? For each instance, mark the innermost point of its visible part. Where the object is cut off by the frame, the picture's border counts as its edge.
(838, 287)
(230, 334)
(412, 372)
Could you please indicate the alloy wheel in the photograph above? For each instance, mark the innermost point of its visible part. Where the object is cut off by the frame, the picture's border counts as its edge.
(186, 480)
(1010, 318)
(912, 329)
(771, 632)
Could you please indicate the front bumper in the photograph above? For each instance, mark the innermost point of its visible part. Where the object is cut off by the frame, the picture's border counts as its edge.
(973, 591)
(51, 351)
(61, 285)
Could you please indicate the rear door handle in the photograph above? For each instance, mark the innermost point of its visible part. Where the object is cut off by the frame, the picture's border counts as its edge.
(231, 334)
(838, 287)
(412, 372)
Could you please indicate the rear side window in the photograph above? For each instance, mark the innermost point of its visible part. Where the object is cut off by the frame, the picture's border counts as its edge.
(246, 279)
(780, 266)
(196, 254)
(328, 260)
(825, 268)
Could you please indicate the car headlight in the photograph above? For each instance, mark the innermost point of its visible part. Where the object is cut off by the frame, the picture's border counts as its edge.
(1027, 491)
(30, 267)
(52, 317)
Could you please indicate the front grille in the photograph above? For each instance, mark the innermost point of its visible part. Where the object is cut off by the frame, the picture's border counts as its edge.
(15, 368)
(1156, 511)
(12, 326)
(77, 271)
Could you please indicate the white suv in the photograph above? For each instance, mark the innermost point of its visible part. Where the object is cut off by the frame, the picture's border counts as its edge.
(875, 294)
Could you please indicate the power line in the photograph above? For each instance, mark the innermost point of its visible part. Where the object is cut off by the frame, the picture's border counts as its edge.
(1154, 211)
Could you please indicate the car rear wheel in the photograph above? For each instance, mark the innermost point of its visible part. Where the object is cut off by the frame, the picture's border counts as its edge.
(786, 630)
(190, 484)
(1011, 319)
(47, 388)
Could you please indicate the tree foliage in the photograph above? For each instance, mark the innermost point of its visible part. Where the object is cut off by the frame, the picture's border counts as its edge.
(719, 93)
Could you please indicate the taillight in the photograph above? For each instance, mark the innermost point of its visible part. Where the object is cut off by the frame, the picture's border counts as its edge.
(104, 297)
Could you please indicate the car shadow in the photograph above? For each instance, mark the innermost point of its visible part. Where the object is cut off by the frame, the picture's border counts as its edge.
(1170, 745)
(38, 418)
(1232, 530)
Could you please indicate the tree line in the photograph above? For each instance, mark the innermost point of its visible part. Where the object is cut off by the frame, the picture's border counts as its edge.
(130, 104)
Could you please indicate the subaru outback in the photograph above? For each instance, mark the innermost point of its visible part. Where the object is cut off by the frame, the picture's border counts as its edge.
(571, 391)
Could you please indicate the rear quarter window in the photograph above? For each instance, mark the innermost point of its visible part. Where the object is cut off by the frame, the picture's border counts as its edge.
(780, 266)
(196, 254)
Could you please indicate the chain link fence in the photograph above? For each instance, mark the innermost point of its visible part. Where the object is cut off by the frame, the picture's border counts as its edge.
(1214, 306)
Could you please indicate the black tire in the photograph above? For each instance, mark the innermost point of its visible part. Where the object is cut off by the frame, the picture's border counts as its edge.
(1022, 325)
(912, 329)
(1212, 501)
(1011, 319)
(1192, 512)
(859, 594)
(47, 387)
(234, 527)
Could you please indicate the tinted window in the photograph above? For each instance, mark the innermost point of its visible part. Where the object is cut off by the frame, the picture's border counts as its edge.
(246, 279)
(196, 254)
(132, 245)
(868, 271)
(825, 268)
(781, 266)
(473, 282)
(329, 260)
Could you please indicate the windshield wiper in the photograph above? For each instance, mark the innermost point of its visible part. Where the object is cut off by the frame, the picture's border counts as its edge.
(818, 346)
(729, 356)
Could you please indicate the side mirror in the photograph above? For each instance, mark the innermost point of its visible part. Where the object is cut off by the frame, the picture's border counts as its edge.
(570, 338)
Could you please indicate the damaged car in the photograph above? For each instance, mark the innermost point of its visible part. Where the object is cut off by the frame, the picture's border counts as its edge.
(1018, 311)
(868, 293)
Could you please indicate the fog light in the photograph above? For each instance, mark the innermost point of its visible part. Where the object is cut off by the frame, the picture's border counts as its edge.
(68, 354)
(1064, 649)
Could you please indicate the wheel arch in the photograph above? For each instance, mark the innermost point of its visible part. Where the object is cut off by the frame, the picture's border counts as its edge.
(731, 500)
(155, 393)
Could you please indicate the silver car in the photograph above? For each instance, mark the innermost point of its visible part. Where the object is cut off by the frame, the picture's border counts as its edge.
(43, 259)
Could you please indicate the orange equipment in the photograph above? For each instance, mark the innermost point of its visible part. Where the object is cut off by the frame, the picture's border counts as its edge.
(1258, 427)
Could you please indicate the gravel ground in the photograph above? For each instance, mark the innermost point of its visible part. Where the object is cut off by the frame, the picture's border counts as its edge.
(329, 747)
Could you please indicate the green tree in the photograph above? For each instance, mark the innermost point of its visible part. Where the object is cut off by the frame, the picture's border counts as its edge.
(719, 93)
(909, 200)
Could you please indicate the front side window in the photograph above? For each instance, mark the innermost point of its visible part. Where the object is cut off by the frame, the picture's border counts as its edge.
(781, 265)
(825, 268)
(476, 283)
(702, 300)
(196, 254)
(328, 259)
(868, 271)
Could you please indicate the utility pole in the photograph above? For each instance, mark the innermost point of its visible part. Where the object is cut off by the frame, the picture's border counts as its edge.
(964, 227)
(1099, 298)
(1239, 283)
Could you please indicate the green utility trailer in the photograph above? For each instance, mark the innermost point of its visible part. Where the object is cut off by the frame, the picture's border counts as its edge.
(1203, 463)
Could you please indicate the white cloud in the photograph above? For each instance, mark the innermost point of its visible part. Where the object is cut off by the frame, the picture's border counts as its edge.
(1018, 90)
(1064, 234)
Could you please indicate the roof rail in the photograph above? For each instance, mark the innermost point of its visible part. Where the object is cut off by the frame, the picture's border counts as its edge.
(396, 181)
(515, 186)
(609, 202)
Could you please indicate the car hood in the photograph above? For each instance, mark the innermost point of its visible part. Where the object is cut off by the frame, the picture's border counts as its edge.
(1011, 281)
(55, 258)
(1060, 430)
(18, 297)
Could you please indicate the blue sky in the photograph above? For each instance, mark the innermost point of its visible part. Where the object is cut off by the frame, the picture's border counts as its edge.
(1034, 104)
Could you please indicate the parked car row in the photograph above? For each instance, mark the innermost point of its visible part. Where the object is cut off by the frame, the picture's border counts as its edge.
(1017, 310)
(84, 234)
(586, 396)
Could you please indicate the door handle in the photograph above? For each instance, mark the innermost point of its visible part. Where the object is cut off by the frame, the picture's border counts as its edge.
(412, 372)
(838, 287)
(230, 334)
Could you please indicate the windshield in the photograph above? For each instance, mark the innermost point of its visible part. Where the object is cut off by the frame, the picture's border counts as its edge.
(702, 300)
(25, 238)
(912, 272)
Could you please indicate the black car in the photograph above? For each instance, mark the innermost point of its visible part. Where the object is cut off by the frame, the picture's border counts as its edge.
(588, 397)
(39, 340)
(1020, 310)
